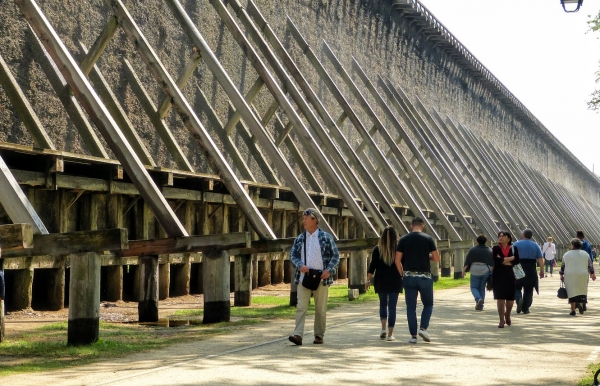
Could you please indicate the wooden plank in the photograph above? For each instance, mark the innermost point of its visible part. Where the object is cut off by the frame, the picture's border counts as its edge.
(285, 245)
(16, 236)
(101, 117)
(15, 203)
(188, 70)
(185, 244)
(99, 45)
(74, 242)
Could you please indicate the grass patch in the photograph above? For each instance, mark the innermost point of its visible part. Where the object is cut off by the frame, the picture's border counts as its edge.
(589, 379)
(449, 282)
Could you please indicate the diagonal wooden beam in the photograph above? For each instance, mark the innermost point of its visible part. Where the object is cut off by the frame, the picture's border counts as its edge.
(101, 117)
(188, 70)
(92, 56)
(23, 108)
(258, 131)
(191, 121)
(250, 96)
(15, 203)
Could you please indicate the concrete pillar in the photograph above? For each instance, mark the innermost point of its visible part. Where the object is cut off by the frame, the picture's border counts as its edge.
(459, 261)
(84, 299)
(343, 268)
(358, 270)
(215, 275)
(148, 288)
(277, 268)
(243, 281)
(164, 280)
(114, 283)
(435, 270)
(446, 263)
(22, 289)
(293, 289)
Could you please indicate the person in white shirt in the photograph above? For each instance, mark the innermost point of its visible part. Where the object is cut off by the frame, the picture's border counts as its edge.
(549, 252)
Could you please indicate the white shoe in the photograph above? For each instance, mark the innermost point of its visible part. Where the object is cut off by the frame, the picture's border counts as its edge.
(423, 334)
(412, 340)
(383, 334)
(391, 337)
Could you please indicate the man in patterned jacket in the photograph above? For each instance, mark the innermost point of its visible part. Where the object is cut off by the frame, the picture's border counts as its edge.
(321, 254)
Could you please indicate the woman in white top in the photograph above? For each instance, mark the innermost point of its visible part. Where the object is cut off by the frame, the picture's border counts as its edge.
(549, 252)
(574, 271)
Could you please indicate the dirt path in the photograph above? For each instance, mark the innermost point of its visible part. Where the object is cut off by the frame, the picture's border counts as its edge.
(545, 347)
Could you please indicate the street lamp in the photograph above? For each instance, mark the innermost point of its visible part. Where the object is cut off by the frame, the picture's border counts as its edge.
(574, 2)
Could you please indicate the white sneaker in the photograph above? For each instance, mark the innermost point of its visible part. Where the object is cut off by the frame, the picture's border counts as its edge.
(383, 334)
(391, 337)
(423, 334)
(412, 340)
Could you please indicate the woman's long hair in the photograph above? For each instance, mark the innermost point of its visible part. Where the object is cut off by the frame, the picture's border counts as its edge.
(387, 245)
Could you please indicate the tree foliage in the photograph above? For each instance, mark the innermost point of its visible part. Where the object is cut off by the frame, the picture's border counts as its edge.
(594, 103)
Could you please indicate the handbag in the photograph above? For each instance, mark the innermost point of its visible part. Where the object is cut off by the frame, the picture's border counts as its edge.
(312, 279)
(554, 264)
(518, 271)
(562, 291)
(517, 268)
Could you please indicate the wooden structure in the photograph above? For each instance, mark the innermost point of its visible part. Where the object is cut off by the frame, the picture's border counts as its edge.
(114, 224)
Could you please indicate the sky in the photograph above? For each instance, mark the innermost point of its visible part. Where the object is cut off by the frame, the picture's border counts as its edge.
(542, 55)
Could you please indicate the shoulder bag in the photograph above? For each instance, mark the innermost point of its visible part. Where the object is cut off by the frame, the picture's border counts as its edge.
(517, 268)
(312, 278)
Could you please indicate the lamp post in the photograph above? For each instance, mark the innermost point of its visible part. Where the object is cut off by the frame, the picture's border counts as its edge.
(576, 3)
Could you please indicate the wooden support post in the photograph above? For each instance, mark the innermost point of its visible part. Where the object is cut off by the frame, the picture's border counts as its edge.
(243, 281)
(181, 277)
(148, 289)
(435, 270)
(264, 271)
(22, 289)
(164, 281)
(446, 263)
(114, 283)
(254, 272)
(343, 268)
(215, 275)
(56, 289)
(84, 299)
(288, 272)
(276, 268)
(459, 261)
(1, 320)
(358, 270)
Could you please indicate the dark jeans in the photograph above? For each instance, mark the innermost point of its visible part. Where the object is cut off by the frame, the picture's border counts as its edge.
(414, 286)
(549, 263)
(525, 293)
(388, 301)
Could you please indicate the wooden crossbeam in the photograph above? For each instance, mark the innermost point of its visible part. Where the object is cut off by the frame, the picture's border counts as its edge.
(285, 245)
(92, 56)
(188, 70)
(73, 242)
(186, 244)
(16, 236)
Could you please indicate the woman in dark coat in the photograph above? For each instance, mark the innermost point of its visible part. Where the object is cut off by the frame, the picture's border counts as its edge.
(503, 278)
(387, 282)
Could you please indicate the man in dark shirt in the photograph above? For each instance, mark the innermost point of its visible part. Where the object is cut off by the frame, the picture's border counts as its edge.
(413, 255)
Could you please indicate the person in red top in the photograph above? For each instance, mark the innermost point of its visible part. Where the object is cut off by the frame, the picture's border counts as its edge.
(503, 278)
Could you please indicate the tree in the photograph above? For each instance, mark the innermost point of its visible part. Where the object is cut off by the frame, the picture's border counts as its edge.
(594, 103)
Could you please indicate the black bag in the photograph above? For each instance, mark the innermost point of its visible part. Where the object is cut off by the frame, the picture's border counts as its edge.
(562, 291)
(312, 279)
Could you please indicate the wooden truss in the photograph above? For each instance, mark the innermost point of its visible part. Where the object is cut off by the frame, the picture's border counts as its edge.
(411, 160)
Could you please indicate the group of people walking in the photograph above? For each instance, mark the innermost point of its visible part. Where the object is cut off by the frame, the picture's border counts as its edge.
(403, 265)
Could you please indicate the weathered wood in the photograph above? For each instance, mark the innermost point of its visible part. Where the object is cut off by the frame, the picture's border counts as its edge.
(99, 45)
(358, 270)
(264, 272)
(16, 236)
(84, 299)
(15, 203)
(114, 283)
(2, 320)
(185, 244)
(343, 268)
(164, 281)
(102, 118)
(447, 263)
(459, 261)
(148, 289)
(285, 245)
(215, 275)
(188, 70)
(74, 242)
(243, 281)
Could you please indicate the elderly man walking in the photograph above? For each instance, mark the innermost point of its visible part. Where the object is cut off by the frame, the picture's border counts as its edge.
(530, 253)
(313, 249)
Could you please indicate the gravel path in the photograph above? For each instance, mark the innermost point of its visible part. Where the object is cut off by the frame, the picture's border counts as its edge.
(545, 347)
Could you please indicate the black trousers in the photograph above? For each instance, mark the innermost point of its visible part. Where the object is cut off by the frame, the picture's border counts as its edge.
(524, 287)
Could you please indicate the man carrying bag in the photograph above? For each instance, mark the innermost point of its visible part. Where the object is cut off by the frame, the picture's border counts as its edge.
(315, 257)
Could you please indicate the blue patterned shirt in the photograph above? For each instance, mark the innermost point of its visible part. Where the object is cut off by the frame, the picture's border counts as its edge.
(329, 253)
